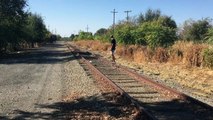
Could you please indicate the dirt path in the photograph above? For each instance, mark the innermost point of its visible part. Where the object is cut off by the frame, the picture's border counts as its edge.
(31, 81)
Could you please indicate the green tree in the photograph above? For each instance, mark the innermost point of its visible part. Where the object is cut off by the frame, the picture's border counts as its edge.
(123, 33)
(13, 18)
(35, 30)
(101, 31)
(155, 34)
(209, 36)
(72, 36)
(154, 15)
(155, 30)
(168, 22)
(195, 30)
(152, 29)
(84, 36)
(150, 15)
(101, 34)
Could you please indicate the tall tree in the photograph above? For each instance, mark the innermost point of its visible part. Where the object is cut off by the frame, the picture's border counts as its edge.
(101, 31)
(153, 15)
(35, 29)
(209, 36)
(195, 30)
(12, 17)
(149, 15)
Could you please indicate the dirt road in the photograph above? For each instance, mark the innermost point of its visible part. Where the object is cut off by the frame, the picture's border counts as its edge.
(30, 82)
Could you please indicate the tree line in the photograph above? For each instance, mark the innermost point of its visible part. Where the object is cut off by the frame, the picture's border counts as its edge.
(20, 28)
(153, 29)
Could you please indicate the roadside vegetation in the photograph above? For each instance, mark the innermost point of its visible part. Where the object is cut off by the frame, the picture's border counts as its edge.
(154, 37)
(20, 28)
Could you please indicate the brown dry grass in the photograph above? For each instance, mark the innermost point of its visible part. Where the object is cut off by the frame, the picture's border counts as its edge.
(185, 53)
(161, 55)
(93, 45)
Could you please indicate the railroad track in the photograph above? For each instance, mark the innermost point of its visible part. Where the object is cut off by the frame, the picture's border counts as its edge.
(155, 100)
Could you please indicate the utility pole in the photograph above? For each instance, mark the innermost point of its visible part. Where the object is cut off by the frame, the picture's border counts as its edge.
(113, 20)
(127, 13)
(87, 28)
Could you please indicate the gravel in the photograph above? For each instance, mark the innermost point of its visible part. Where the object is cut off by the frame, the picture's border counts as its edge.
(77, 81)
(37, 84)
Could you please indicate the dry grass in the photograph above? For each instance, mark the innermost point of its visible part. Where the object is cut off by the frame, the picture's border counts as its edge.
(161, 55)
(186, 53)
(93, 45)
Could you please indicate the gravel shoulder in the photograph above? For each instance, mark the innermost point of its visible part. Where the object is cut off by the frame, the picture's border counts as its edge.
(35, 85)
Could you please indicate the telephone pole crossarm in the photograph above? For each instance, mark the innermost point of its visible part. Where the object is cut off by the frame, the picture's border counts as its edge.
(127, 12)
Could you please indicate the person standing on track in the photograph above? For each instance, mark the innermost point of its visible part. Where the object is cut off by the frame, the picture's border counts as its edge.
(113, 47)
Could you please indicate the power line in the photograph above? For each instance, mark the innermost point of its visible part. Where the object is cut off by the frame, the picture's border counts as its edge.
(113, 20)
(127, 13)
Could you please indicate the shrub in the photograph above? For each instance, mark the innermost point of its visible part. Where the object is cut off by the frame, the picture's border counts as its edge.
(84, 36)
(195, 30)
(209, 36)
(123, 33)
(208, 58)
(155, 34)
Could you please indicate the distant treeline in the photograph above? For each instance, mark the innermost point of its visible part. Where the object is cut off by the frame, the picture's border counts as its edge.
(154, 30)
(20, 28)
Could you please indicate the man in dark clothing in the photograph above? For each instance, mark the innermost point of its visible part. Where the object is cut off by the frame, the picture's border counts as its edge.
(113, 47)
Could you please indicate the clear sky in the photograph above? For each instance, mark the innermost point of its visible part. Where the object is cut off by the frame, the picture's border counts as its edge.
(66, 17)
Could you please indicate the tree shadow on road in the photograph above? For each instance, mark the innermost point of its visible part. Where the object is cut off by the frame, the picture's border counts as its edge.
(48, 54)
(108, 106)
(92, 107)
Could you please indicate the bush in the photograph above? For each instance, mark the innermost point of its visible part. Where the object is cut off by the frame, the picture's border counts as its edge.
(195, 30)
(209, 36)
(154, 34)
(123, 33)
(84, 36)
(208, 57)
